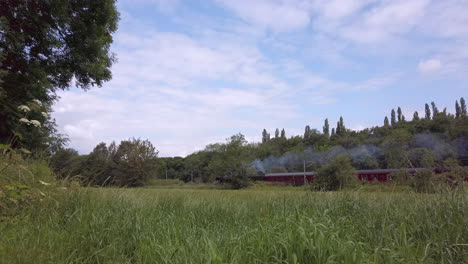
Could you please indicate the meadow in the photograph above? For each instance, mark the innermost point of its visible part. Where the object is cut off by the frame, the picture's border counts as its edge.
(257, 225)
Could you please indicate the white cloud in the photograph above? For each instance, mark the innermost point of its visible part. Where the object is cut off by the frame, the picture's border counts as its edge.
(429, 66)
(275, 15)
(205, 78)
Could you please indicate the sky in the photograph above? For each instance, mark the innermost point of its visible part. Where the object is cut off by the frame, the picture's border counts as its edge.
(194, 72)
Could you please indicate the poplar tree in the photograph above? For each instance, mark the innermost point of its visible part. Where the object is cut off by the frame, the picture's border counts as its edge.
(307, 132)
(264, 136)
(283, 133)
(457, 109)
(385, 122)
(342, 126)
(415, 116)
(326, 128)
(435, 111)
(333, 131)
(462, 107)
(399, 114)
(277, 133)
(393, 118)
(428, 112)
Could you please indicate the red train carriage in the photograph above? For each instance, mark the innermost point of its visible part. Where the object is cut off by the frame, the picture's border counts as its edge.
(378, 175)
(293, 178)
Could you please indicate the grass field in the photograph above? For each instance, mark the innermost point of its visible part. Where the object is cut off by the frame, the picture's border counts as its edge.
(248, 226)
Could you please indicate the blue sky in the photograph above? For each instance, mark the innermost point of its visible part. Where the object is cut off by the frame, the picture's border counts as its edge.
(190, 73)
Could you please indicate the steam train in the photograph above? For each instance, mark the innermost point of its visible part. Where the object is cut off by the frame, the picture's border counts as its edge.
(378, 175)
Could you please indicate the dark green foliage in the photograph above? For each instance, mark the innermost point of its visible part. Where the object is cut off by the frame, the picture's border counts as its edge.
(393, 117)
(340, 127)
(457, 110)
(306, 132)
(277, 132)
(334, 176)
(63, 162)
(283, 133)
(400, 115)
(386, 123)
(135, 162)
(265, 136)
(130, 164)
(427, 111)
(435, 111)
(415, 116)
(424, 181)
(44, 45)
(462, 107)
(422, 158)
(326, 128)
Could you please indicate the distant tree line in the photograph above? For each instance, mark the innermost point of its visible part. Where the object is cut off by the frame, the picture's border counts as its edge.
(434, 140)
(129, 164)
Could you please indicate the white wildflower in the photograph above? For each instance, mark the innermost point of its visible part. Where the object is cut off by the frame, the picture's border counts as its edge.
(35, 123)
(24, 108)
(44, 183)
(44, 114)
(39, 103)
(25, 120)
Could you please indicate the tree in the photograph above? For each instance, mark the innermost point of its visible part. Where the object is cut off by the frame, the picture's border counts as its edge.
(457, 109)
(326, 128)
(386, 124)
(135, 160)
(277, 133)
(62, 162)
(283, 133)
(342, 126)
(462, 107)
(97, 167)
(48, 44)
(399, 114)
(415, 116)
(393, 118)
(435, 111)
(265, 136)
(334, 176)
(306, 132)
(333, 131)
(428, 112)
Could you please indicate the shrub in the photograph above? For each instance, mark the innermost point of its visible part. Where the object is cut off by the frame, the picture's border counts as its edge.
(136, 162)
(336, 175)
(424, 181)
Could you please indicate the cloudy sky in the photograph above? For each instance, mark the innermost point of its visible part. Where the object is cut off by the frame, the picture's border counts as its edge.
(193, 72)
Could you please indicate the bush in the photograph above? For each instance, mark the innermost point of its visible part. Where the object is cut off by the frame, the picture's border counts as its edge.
(238, 177)
(424, 181)
(402, 177)
(136, 162)
(336, 175)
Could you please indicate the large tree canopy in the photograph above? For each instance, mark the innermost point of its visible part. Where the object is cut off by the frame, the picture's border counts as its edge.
(45, 45)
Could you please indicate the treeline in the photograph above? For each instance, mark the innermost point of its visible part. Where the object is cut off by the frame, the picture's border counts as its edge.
(129, 164)
(437, 139)
(429, 141)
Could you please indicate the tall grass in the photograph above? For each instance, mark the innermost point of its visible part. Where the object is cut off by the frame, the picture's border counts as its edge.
(247, 226)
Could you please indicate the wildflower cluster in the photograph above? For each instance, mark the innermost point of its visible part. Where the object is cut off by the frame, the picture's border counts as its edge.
(34, 104)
